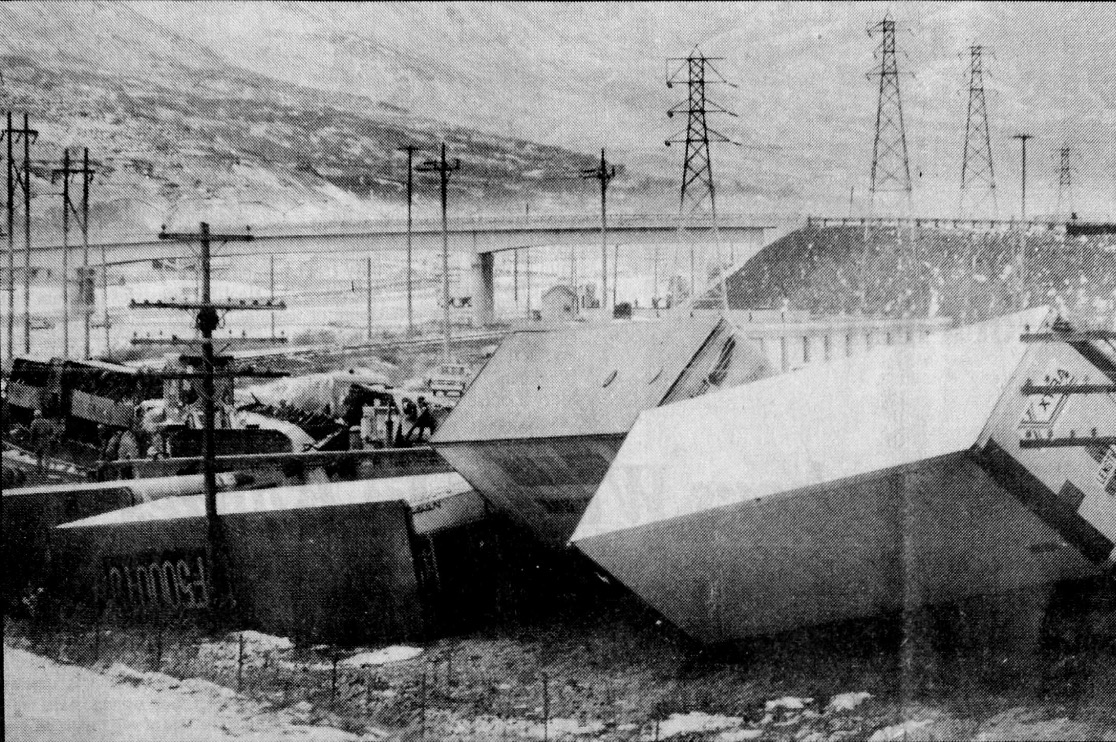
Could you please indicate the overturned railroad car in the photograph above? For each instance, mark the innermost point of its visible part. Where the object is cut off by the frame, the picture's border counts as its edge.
(541, 423)
(980, 462)
(345, 561)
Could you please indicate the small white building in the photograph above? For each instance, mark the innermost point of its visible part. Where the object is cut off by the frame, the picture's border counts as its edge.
(558, 303)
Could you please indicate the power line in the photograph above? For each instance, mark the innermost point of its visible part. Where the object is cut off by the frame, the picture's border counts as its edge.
(978, 177)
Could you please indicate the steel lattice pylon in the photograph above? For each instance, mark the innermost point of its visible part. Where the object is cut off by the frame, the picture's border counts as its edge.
(697, 196)
(978, 177)
(891, 169)
(698, 191)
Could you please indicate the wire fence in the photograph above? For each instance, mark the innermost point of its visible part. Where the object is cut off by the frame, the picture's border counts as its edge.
(441, 693)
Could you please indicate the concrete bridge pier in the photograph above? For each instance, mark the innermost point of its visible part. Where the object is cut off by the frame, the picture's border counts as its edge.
(484, 292)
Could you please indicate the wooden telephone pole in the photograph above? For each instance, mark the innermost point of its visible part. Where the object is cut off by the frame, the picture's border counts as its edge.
(19, 175)
(443, 168)
(207, 321)
(604, 172)
(85, 293)
(410, 149)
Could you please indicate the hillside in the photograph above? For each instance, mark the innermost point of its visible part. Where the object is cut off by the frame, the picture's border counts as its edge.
(585, 75)
(178, 133)
(274, 112)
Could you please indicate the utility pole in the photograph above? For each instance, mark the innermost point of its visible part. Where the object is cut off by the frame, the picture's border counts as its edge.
(977, 172)
(207, 321)
(1023, 151)
(368, 297)
(410, 150)
(443, 168)
(19, 176)
(604, 173)
(1065, 181)
(271, 289)
(698, 193)
(615, 269)
(891, 167)
(1023, 278)
(527, 220)
(82, 218)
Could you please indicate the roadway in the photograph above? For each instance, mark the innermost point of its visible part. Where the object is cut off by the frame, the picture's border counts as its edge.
(477, 234)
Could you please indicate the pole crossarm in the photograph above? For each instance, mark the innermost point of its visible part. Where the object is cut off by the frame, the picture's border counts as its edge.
(177, 341)
(68, 171)
(1069, 442)
(1080, 336)
(228, 306)
(220, 375)
(1029, 389)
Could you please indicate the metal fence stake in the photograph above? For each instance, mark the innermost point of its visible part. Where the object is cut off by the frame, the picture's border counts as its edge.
(333, 684)
(546, 708)
(158, 644)
(422, 706)
(240, 664)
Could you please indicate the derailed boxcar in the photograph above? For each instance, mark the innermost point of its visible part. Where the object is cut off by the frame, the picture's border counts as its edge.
(325, 561)
(900, 478)
(541, 423)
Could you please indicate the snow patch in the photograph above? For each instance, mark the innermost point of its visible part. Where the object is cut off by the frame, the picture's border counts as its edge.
(696, 721)
(740, 735)
(847, 701)
(908, 730)
(789, 703)
(262, 642)
(382, 656)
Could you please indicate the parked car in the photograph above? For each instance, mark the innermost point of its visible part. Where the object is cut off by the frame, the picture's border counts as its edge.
(450, 379)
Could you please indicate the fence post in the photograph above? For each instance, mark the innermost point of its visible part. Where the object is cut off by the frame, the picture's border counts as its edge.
(422, 706)
(546, 708)
(240, 664)
(97, 638)
(158, 643)
(333, 684)
(368, 690)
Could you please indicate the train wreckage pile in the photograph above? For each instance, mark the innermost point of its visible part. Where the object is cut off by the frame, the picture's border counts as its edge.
(735, 502)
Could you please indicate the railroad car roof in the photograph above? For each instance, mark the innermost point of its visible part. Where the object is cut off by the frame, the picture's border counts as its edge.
(895, 405)
(575, 381)
(415, 490)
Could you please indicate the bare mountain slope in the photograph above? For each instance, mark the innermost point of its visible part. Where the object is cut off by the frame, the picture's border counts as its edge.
(582, 75)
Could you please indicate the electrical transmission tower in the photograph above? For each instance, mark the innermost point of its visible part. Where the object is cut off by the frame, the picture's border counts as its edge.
(698, 192)
(891, 167)
(1065, 183)
(978, 177)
